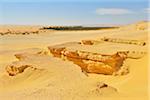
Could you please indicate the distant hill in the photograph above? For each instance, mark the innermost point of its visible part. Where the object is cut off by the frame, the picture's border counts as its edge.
(142, 25)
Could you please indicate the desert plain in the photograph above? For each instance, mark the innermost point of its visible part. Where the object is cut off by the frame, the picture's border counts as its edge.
(108, 64)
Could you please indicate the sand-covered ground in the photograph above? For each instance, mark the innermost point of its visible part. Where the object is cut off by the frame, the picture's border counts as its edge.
(45, 77)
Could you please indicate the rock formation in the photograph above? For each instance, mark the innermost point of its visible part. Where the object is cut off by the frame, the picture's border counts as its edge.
(124, 41)
(13, 69)
(91, 62)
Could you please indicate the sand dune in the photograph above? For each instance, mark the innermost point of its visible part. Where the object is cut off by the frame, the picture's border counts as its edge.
(31, 68)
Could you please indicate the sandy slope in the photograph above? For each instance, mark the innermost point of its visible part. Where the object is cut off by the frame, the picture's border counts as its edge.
(56, 79)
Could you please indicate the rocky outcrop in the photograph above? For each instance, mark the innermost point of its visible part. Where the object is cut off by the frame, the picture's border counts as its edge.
(91, 62)
(19, 32)
(19, 29)
(90, 42)
(124, 41)
(14, 69)
(20, 66)
(113, 40)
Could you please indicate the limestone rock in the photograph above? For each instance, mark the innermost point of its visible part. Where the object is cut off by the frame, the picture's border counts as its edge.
(91, 62)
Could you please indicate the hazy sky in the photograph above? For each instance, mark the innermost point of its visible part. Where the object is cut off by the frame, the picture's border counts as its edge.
(72, 12)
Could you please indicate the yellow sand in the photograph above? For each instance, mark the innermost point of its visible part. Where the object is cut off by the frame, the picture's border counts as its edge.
(63, 80)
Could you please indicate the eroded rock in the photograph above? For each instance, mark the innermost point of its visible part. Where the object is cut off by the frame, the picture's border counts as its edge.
(91, 62)
(124, 41)
(20, 66)
(90, 42)
(13, 70)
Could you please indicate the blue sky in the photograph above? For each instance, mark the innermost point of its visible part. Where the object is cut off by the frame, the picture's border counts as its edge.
(72, 12)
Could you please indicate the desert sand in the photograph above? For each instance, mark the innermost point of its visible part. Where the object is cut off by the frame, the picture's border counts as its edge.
(114, 64)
